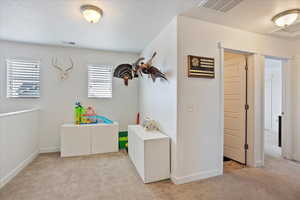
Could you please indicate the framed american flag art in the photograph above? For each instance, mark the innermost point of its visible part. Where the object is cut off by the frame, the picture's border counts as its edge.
(201, 67)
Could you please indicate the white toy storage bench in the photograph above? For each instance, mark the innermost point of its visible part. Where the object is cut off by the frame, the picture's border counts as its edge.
(89, 139)
(149, 151)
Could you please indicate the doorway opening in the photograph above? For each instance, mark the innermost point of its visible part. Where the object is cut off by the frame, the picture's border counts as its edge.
(273, 107)
(236, 108)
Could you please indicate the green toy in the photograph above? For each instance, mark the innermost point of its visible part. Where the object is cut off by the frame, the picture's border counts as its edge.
(123, 139)
(79, 111)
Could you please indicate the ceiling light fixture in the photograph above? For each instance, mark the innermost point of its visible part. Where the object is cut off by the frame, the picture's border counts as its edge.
(91, 13)
(286, 18)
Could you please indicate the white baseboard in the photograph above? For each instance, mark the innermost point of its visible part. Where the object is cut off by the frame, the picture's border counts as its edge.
(259, 163)
(196, 177)
(295, 157)
(50, 150)
(19, 168)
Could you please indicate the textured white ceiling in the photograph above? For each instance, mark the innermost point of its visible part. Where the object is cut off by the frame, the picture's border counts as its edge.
(250, 15)
(127, 25)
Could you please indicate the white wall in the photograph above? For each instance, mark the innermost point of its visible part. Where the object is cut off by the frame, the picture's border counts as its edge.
(295, 95)
(199, 137)
(159, 100)
(296, 108)
(58, 97)
(273, 93)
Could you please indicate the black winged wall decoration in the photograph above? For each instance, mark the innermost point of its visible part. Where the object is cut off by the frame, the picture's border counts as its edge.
(128, 72)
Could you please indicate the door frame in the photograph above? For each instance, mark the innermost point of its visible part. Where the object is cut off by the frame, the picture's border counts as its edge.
(259, 98)
(245, 80)
(250, 157)
(287, 140)
(286, 148)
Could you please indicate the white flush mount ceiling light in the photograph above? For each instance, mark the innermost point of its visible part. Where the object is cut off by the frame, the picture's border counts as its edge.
(91, 13)
(286, 18)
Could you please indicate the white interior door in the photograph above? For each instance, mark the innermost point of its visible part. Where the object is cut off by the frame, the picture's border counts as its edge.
(268, 103)
(234, 106)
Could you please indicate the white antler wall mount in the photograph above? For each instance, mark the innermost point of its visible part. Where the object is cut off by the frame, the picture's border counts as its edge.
(64, 70)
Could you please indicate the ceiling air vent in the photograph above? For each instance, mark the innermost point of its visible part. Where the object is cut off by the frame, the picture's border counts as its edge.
(219, 5)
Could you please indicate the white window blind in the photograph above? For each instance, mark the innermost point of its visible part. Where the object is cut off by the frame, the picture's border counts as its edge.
(23, 78)
(99, 81)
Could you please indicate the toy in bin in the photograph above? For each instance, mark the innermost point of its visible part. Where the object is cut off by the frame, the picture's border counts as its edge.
(88, 116)
(78, 112)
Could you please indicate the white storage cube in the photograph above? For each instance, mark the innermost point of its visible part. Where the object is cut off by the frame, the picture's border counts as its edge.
(89, 139)
(104, 139)
(75, 141)
(149, 151)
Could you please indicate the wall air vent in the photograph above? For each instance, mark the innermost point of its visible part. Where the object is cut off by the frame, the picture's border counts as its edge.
(219, 5)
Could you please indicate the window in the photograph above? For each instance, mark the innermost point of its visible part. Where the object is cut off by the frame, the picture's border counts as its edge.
(23, 78)
(99, 81)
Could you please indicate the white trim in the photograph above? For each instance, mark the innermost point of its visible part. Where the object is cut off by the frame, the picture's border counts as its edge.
(222, 103)
(259, 112)
(18, 112)
(287, 135)
(294, 157)
(19, 168)
(50, 149)
(197, 176)
(258, 134)
(259, 101)
(286, 129)
(259, 163)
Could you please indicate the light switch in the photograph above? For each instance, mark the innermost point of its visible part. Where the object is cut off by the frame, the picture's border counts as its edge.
(190, 108)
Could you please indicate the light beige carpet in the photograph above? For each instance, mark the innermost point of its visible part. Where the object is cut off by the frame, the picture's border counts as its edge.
(113, 177)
